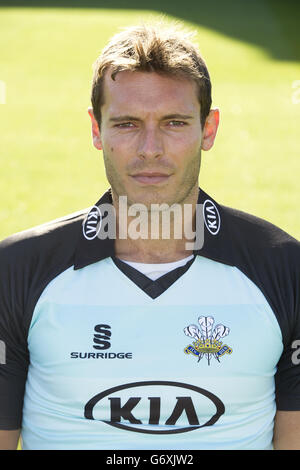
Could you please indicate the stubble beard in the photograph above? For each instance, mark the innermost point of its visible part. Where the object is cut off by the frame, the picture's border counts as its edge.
(184, 192)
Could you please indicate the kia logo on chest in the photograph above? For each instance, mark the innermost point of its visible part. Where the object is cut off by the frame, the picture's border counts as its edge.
(155, 407)
(92, 223)
(211, 217)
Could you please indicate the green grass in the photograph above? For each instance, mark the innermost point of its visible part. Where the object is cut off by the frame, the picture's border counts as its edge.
(48, 165)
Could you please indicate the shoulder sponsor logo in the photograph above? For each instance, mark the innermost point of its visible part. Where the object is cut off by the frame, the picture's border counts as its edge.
(155, 407)
(211, 217)
(92, 223)
(207, 338)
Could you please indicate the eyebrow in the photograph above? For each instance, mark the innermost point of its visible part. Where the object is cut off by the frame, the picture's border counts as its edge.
(177, 116)
(134, 118)
(124, 118)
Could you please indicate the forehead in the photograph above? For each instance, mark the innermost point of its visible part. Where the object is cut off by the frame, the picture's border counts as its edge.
(149, 92)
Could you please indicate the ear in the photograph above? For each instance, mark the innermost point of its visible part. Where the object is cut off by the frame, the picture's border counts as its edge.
(210, 129)
(95, 130)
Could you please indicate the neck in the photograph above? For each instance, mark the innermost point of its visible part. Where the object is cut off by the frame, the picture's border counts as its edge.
(160, 236)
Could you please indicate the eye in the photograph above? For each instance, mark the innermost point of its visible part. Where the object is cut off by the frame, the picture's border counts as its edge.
(124, 125)
(177, 123)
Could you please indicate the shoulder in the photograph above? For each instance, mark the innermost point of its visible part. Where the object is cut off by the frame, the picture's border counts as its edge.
(29, 260)
(270, 257)
(242, 239)
(257, 235)
(50, 239)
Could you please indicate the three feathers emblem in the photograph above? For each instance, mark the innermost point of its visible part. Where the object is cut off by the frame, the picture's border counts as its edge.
(207, 338)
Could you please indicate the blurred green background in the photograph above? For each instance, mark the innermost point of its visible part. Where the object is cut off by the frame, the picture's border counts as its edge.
(48, 165)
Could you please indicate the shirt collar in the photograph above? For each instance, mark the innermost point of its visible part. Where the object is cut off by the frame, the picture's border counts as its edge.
(91, 247)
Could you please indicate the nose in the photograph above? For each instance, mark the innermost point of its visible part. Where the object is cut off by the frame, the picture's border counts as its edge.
(150, 143)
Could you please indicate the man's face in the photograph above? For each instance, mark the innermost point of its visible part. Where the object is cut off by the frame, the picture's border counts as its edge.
(151, 137)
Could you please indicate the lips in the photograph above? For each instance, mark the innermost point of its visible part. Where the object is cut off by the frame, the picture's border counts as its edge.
(150, 177)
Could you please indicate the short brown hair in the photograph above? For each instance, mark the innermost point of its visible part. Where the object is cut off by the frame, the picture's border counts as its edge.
(153, 48)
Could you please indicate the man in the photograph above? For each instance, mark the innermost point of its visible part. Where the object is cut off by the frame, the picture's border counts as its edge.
(113, 341)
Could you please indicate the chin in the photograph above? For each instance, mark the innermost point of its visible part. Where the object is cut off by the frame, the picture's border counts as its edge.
(151, 197)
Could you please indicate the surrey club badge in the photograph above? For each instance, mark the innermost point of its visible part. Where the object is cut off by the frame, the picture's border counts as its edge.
(207, 342)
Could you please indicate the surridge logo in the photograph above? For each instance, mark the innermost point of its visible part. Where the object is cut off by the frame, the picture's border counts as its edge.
(207, 338)
(155, 407)
(102, 337)
(102, 341)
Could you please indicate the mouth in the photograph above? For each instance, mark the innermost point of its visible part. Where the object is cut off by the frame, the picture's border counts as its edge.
(150, 177)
